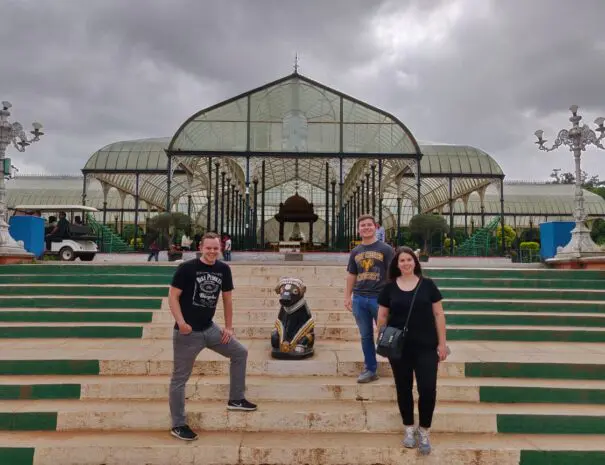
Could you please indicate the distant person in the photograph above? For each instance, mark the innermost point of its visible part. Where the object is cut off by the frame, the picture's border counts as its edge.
(193, 296)
(425, 342)
(227, 248)
(380, 234)
(60, 231)
(366, 276)
(154, 251)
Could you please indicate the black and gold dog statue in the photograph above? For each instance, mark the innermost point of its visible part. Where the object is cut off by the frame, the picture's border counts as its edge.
(293, 336)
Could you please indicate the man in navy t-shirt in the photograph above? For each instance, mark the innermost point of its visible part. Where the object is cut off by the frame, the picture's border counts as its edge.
(194, 293)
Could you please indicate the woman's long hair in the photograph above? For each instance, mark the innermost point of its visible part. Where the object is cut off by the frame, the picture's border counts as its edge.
(395, 272)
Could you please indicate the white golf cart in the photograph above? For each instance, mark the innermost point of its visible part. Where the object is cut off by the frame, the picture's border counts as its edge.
(79, 241)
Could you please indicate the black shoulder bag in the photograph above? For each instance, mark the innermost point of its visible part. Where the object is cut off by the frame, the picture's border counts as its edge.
(390, 339)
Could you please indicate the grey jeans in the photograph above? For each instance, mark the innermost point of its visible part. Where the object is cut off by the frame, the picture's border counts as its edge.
(186, 349)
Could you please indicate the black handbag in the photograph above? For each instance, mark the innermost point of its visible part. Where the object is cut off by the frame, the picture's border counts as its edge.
(390, 339)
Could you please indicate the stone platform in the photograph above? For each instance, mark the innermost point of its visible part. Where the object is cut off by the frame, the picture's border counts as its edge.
(86, 356)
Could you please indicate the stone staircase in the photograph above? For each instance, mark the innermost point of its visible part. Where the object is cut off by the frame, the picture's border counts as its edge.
(86, 356)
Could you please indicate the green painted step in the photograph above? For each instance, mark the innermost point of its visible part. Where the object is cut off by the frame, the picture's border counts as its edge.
(47, 332)
(562, 457)
(28, 421)
(34, 302)
(50, 316)
(40, 391)
(17, 455)
(168, 270)
(164, 280)
(524, 335)
(522, 294)
(550, 424)
(162, 291)
(75, 317)
(25, 456)
(523, 320)
(547, 307)
(80, 291)
(573, 371)
(141, 279)
(540, 395)
(49, 367)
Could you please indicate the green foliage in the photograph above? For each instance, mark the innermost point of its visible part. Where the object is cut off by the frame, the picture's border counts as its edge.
(448, 241)
(600, 191)
(509, 235)
(169, 223)
(529, 246)
(530, 235)
(598, 231)
(425, 225)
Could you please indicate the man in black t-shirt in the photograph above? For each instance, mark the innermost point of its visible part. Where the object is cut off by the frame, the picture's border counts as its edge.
(194, 293)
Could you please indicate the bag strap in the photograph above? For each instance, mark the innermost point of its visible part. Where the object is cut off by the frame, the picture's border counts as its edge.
(407, 320)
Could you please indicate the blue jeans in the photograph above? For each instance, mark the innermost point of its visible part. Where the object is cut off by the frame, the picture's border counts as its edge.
(365, 311)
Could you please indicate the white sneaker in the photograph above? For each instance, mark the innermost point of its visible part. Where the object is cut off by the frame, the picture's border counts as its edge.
(409, 439)
(425, 444)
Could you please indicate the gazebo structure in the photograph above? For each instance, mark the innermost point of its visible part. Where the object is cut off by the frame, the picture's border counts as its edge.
(296, 209)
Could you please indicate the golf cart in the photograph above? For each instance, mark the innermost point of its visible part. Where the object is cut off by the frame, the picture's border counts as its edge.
(69, 237)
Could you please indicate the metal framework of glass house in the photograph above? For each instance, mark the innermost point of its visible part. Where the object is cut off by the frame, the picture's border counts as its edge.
(237, 161)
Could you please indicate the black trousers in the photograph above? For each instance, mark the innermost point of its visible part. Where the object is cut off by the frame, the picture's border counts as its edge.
(423, 363)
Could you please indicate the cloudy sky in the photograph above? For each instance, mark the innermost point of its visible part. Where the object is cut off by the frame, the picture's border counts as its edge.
(487, 73)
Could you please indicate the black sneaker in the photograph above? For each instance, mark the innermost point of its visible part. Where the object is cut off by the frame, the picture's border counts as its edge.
(183, 432)
(241, 405)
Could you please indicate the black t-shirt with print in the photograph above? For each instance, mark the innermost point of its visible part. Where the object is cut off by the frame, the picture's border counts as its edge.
(422, 331)
(201, 285)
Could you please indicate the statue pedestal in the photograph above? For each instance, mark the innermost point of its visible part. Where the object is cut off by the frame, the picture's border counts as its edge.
(583, 263)
(291, 251)
(293, 257)
(15, 259)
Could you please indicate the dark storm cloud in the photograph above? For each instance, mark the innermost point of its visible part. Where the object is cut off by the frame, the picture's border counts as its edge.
(484, 73)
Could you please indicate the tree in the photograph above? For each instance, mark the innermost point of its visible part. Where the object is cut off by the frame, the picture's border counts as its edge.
(169, 223)
(425, 225)
(509, 235)
(588, 182)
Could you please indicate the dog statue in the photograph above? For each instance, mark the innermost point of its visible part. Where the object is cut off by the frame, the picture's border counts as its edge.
(293, 336)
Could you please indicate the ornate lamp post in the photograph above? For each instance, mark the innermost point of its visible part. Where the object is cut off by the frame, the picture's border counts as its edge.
(11, 133)
(577, 138)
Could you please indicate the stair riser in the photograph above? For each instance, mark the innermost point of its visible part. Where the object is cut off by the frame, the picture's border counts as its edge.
(268, 295)
(357, 420)
(123, 391)
(167, 269)
(453, 334)
(195, 390)
(316, 284)
(299, 454)
(307, 367)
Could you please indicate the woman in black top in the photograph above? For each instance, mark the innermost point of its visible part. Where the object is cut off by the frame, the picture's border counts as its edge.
(425, 342)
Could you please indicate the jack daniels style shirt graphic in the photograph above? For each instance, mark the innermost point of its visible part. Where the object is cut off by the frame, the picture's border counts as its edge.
(201, 285)
(370, 263)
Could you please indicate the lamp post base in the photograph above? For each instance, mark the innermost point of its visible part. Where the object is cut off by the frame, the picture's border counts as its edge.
(580, 253)
(581, 245)
(11, 251)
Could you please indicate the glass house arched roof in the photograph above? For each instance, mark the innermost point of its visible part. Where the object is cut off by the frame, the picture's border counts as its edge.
(293, 115)
(298, 129)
